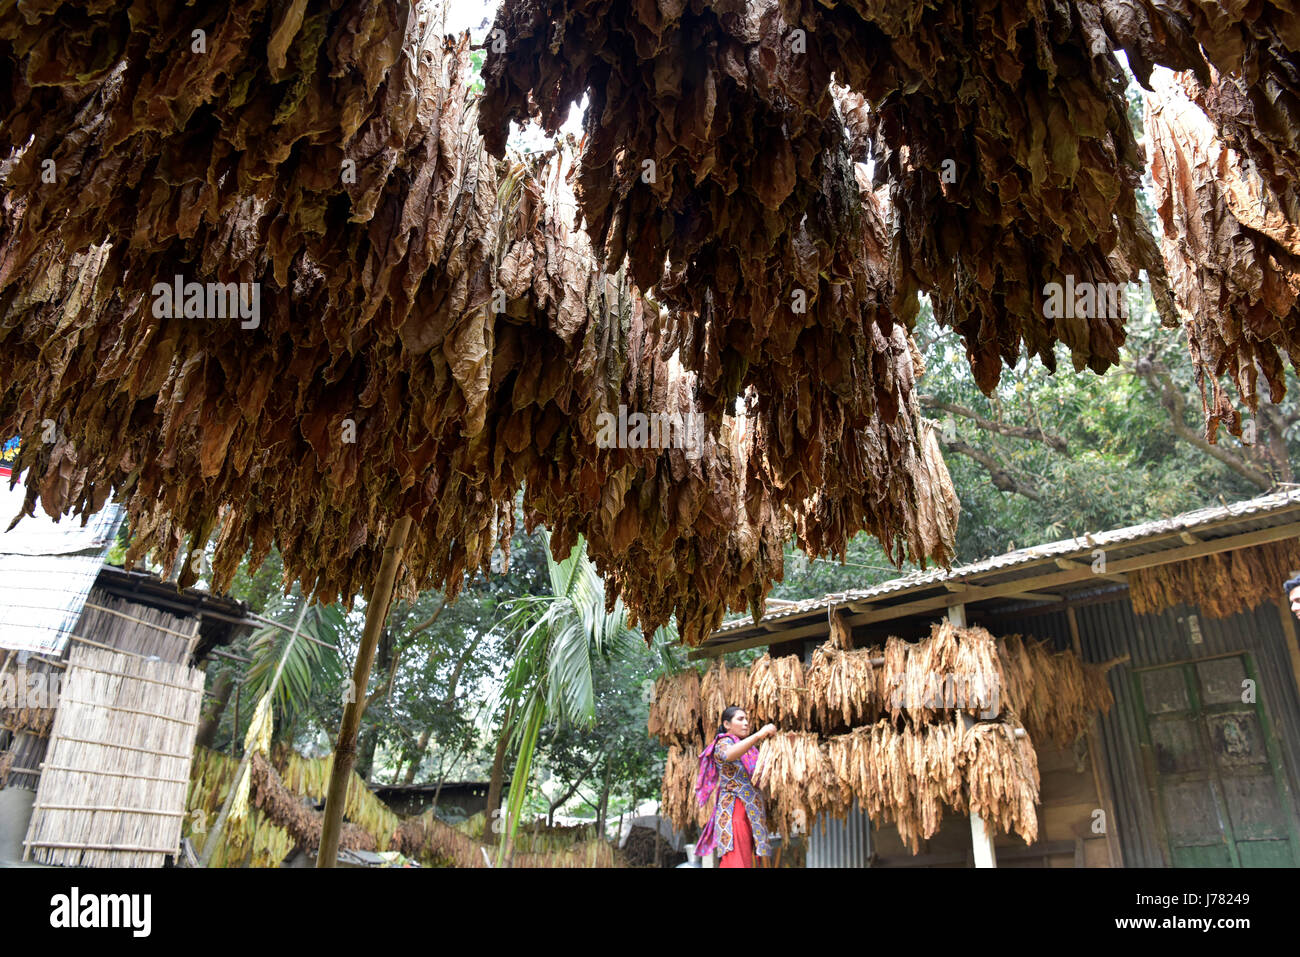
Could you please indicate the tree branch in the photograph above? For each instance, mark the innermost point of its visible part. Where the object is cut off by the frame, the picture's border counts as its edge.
(407, 641)
(1028, 432)
(450, 699)
(1002, 478)
(427, 623)
(1157, 377)
(576, 784)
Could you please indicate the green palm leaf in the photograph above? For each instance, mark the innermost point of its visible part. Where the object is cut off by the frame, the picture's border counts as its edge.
(556, 637)
(309, 667)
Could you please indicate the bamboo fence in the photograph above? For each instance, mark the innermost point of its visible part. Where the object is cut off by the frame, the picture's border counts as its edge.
(127, 626)
(112, 790)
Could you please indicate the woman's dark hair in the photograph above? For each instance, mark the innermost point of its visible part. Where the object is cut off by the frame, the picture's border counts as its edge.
(727, 714)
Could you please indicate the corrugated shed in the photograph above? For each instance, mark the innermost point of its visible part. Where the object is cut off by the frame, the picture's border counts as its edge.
(1110, 629)
(1265, 511)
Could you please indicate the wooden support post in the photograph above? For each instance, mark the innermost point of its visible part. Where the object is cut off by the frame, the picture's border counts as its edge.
(1100, 774)
(193, 640)
(957, 615)
(980, 833)
(345, 750)
(1289, 631)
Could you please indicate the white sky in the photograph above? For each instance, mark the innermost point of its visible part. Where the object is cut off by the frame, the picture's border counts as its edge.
(476, 16)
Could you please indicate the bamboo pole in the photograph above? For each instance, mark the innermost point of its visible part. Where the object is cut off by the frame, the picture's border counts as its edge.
(345, 750)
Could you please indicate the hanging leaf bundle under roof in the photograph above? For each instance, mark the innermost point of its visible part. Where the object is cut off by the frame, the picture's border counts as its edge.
(1000, 131)
(884, 727)
(777, 275)
(722, 97)
(1053, 692)
(1220, 585)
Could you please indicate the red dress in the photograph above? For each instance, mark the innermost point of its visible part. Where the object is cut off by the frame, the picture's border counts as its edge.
(742, 845)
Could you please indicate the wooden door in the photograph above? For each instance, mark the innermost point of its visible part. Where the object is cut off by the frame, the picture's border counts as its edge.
(1219, 785)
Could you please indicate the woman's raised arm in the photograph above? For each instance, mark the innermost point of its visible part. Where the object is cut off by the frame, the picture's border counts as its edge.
(736, 750)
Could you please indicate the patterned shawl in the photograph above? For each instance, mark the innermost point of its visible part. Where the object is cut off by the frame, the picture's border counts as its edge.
(706, 782)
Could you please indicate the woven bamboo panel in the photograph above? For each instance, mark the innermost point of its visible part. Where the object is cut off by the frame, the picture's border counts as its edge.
(112, 793)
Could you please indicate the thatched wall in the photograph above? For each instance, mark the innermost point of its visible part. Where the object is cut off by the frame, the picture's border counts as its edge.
(112, 792)
(115, 622)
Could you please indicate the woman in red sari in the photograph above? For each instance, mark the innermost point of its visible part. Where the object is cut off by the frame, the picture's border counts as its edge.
(738, 825)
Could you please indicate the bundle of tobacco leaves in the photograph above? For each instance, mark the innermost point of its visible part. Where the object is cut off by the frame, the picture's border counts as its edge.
(36, 720)
(1002, 132)
(675, 710)
(794, 768)
(773, 277)
(777, 692)
(713, 696)
(895, 743)
(907, 775)
(1230, 212)
(1253, 77)
(1220, 585)
(678, 800)
(842, 686)
(336, 233)
(1226, 174)
(288, 811)
(1001, 774)
(1054, 693)
(960, 669)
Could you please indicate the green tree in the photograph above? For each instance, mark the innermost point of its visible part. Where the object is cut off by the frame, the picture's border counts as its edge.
(556, 638)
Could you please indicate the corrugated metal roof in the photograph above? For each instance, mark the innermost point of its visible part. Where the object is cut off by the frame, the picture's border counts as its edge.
(1266, 510)
(47, 568)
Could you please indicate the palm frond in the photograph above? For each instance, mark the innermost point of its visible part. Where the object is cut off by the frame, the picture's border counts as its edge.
(556, 638)
(308, 667)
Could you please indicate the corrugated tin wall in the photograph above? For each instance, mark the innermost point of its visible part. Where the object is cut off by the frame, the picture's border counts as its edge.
(1110, 629)
(844, 843)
